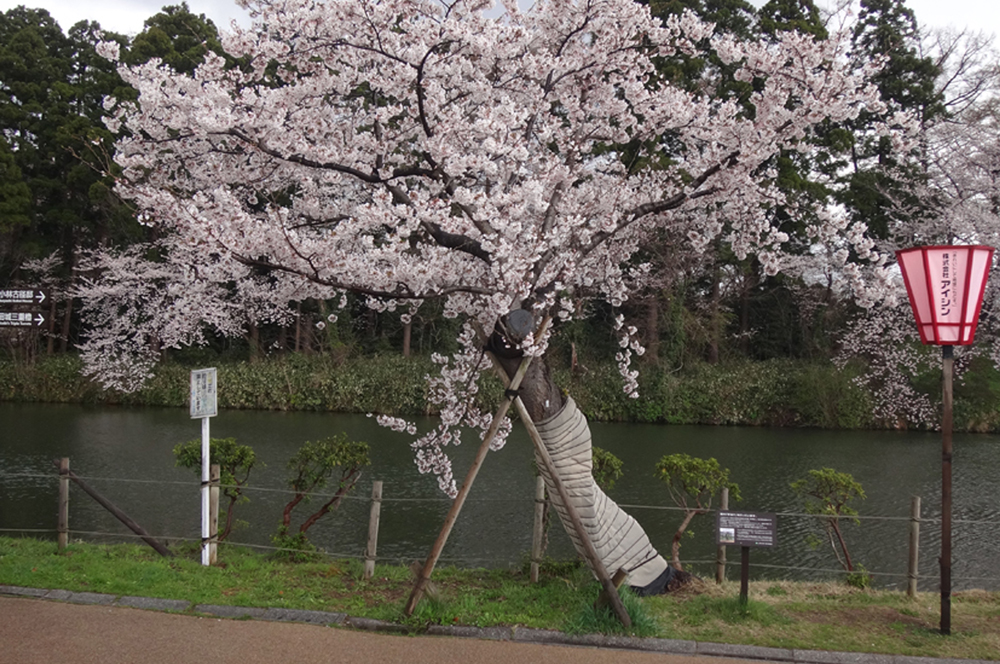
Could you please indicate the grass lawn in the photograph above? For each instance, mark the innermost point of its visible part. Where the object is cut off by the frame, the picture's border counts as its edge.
(815, 616)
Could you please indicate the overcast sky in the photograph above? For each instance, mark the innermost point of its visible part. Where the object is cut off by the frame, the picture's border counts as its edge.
(127, 16)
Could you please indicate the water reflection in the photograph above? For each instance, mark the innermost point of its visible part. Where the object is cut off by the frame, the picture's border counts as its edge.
(495, 526)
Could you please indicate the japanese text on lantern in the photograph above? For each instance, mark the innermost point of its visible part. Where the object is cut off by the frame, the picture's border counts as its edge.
(946, 284)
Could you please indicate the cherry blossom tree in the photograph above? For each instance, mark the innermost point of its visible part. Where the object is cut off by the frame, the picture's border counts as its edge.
(407, 150)
(958, 202)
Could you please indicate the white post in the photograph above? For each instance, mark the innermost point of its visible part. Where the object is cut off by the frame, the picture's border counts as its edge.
(206, 528)
(204, 405)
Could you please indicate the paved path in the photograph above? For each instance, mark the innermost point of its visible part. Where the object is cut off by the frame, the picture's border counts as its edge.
(34, 631)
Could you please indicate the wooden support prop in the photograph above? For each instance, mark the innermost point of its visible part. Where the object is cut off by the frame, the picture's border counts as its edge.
(914, 561)
(121, 516)
(373, 519)
(63, 526)
(617, 580)
(538, 532)
(720, 556)
(463, 493)
(588, 546)
(214, 481)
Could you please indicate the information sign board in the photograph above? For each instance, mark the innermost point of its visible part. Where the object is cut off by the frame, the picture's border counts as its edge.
(204, 390)
(34, 296)
(21, 319)
(746, 528)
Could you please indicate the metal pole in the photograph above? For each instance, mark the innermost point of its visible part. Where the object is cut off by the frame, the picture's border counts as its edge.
(215, 476)
(206, 533)
(948, 362)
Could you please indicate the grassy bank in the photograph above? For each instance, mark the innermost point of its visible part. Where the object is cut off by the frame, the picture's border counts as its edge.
(815, 616)
(769, 393)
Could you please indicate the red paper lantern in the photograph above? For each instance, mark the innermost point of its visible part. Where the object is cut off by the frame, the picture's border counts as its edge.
(946, 285)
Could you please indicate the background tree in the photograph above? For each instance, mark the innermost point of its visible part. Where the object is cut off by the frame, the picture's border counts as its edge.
(177, 37)
(316, 463)
(235, 463)
(828, 493)
(692, 483)
(55, 147)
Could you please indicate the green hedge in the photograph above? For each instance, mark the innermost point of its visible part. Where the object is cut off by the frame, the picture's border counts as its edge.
(773, 393)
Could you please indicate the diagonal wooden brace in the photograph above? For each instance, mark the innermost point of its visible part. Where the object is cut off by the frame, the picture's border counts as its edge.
(456, 506)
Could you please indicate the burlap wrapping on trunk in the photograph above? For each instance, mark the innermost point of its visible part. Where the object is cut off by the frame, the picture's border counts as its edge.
(620, 541)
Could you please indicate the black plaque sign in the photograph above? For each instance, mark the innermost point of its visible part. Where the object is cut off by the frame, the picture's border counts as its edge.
(746, 528)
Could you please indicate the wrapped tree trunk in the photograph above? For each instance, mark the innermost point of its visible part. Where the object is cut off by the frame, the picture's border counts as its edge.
(620, 541)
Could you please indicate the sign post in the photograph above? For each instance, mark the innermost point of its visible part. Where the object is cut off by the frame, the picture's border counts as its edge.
(745, 529)
(204, 405)
(25, 303)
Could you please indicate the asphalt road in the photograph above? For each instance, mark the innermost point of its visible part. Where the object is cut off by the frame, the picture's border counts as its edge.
(44, 632)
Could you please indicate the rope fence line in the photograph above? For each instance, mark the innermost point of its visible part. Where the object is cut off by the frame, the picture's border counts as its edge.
(671, 508)
(377, 498)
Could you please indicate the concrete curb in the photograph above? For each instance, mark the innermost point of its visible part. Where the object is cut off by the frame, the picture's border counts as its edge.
(518, 634)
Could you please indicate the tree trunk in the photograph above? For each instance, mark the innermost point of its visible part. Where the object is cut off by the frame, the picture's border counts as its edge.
(407, 331)
(675, 545)
(619, 540)
(714, 320)
(835, 525)
(652, 339)
(253, 340)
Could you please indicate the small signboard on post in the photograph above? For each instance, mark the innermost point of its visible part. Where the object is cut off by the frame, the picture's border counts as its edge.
(204, 393)
(205, 405)
(746, 529)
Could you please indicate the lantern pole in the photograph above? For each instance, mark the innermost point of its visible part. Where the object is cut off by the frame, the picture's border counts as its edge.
(948, 361)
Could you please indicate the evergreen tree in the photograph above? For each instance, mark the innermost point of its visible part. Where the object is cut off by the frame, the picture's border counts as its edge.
(178, 37)
(877, 180)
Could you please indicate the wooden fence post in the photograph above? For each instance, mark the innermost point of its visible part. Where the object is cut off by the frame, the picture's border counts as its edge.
(63, 525)
(213, 513)
(720, 556)
(538, 533)
(912, 571)
(373, 529)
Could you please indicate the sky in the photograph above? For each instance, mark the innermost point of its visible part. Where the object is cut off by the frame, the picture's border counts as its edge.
(127, 16)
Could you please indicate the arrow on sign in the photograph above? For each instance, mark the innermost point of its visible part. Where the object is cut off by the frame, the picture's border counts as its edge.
(39, 320)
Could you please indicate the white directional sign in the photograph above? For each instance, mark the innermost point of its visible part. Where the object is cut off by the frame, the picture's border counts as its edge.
(34, 296)
(21, 319)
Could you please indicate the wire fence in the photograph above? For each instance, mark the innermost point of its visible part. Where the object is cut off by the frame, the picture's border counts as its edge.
(465, 560)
